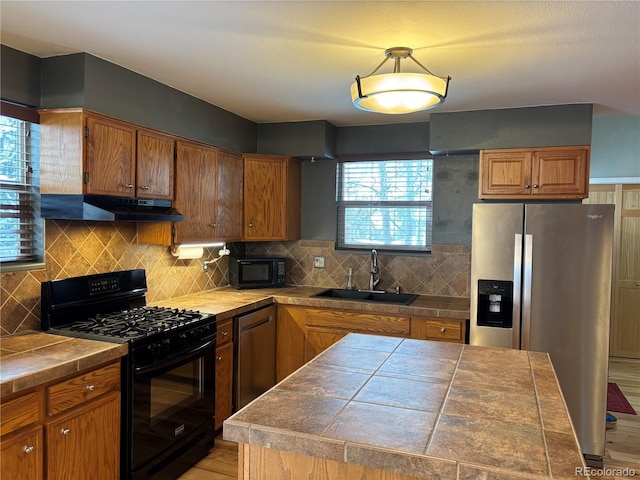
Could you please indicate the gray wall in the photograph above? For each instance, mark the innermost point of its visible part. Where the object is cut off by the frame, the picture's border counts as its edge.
(19, 77)
(87, 81)
(615, 148)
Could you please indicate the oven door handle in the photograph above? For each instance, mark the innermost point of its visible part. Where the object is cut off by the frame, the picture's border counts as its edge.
(180, 358)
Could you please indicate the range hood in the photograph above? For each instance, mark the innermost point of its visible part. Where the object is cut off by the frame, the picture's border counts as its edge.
(105, 208)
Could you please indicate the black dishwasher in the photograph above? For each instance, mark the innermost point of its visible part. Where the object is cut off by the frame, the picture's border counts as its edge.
(254, 355)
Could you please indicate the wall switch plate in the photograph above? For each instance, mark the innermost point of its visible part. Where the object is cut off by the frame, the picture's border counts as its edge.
(318, 262)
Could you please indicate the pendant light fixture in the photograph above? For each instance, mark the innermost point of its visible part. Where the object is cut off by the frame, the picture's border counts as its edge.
(397, 92)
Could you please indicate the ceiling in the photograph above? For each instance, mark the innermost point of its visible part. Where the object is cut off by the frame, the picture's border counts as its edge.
(276, 61)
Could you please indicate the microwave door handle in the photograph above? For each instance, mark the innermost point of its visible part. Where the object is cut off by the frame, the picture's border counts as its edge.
(177, 360)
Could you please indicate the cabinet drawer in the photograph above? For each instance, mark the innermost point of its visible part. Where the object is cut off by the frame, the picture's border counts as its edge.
(351, 321)
(225, 333)
(443, 329)
(19, 412)
(79, 389)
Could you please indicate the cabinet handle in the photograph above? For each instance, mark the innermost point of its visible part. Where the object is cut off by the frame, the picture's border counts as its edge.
(28, 448)
(442, 330)
(129, 186)
(145, 187)
(91, 388)
(535, 185)
(527, 186)
(65, 431)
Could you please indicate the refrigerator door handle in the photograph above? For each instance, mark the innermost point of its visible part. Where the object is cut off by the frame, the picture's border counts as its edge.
(526, 291)
(517, 289)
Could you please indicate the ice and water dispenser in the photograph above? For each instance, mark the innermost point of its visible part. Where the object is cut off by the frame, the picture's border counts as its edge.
(495, 303)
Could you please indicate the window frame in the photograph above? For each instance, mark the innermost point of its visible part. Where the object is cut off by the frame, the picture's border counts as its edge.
(35, 234)
(341, 205)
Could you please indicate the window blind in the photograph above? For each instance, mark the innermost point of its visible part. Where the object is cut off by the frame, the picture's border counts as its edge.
(385, 204)
(21, 231)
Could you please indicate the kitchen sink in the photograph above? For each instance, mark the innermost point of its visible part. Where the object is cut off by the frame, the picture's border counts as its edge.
(364, 296)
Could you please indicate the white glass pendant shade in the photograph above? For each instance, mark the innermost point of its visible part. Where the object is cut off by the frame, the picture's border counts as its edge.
(395, 93)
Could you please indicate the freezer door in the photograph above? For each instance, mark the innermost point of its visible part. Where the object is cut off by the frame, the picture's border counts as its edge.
(566, 305)
(496, 255)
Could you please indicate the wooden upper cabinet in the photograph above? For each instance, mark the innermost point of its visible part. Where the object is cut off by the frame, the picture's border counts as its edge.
(271, 198)
(208, 193)
(83, 152)
(195, 192)
(546, 173)
(155, 165)
(228, 206)
(110, 157)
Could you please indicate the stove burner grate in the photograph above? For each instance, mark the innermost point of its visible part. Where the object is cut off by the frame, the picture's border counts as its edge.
(136, 322)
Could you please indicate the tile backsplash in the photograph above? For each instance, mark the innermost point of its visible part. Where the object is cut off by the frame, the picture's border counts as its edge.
(445, 272)
(82, 248)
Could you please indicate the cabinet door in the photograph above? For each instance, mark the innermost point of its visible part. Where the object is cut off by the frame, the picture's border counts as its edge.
(21, 456)
(110, 157)
(224, 383)
(264, 198)
(195, 192)
(154, 165)
(318, 340)
(229, 196)
(86, 444)
(504, 172)
(562, 172)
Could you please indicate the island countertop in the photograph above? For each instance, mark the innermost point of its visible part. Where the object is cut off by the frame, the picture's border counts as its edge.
(415, 408)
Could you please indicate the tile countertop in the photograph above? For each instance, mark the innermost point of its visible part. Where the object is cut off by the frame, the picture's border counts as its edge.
(33, 358)
(420, 408)
(227, 302)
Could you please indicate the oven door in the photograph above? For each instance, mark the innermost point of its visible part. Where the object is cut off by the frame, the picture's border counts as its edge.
(173, 401)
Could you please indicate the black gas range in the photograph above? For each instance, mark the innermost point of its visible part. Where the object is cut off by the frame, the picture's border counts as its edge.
(168, 378)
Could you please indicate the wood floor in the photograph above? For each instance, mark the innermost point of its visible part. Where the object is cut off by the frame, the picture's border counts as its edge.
(622, 449)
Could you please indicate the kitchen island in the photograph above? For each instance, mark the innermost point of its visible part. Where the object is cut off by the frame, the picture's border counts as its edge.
(393, 408)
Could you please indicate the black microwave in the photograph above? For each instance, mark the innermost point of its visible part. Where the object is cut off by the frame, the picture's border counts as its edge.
(257, 272)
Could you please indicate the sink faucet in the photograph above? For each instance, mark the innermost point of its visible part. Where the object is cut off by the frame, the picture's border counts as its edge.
(373, 281)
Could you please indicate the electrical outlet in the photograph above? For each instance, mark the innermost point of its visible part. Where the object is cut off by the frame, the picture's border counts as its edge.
(318, 262)
(205, 267)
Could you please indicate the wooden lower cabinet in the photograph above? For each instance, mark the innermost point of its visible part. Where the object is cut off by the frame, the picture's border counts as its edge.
(21, 456)
(304, 332)
(65, 429)
(441, 329)
(261, 463)
(224, 373)
(85, 444)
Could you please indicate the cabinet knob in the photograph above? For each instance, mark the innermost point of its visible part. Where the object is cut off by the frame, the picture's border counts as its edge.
(219, 359)
(527, 186)
(65, 431)
(145, 187)
(251, 225)
(28, 448)
(442, 330)
(129, 186)
(224, 334)
(214, 225)
(91, 388)
(535, 185)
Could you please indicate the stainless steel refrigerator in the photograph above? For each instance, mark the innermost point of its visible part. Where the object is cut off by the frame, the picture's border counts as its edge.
(541, 281)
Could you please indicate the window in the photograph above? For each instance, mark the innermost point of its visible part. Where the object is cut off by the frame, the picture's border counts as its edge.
(21, 228)
(385, 204)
